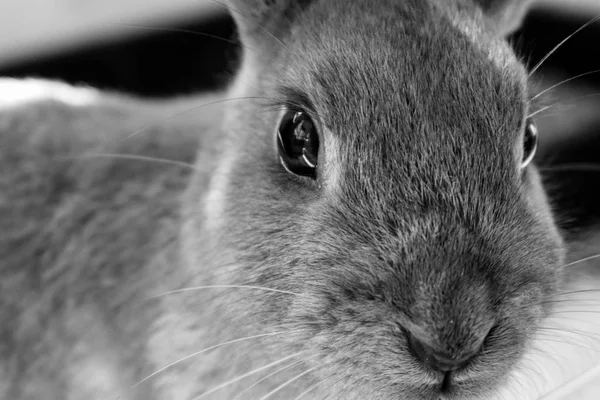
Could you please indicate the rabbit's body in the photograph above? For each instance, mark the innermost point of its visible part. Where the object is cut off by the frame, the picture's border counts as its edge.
(87, 238)
(420, 225)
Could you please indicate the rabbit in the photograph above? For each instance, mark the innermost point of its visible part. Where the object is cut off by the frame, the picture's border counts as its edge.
(356, 217)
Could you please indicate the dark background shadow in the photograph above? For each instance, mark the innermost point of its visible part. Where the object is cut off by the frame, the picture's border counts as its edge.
(164, 63)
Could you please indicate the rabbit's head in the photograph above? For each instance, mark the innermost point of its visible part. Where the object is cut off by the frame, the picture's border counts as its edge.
(377, 163)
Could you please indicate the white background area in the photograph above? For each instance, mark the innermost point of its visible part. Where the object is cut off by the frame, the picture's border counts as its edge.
(30, 28)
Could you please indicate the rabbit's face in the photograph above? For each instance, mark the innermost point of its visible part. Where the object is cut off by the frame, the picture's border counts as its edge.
(390, 190)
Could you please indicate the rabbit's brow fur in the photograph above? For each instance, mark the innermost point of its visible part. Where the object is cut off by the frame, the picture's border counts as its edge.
(420, 220)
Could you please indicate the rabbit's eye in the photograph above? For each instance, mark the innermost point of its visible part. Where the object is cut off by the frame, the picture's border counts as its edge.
(298, 144)
(530, 140)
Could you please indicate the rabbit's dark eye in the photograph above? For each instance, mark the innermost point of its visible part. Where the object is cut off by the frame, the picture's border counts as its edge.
(530, 140)
(298, 143)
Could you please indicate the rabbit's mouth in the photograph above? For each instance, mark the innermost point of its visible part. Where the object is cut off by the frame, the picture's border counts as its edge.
(462, 383)
(363, 348)
(450, 370)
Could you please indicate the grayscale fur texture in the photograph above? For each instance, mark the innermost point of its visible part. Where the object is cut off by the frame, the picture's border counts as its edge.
(420, 220)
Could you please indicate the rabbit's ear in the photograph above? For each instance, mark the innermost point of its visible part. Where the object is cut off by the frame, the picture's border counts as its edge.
(504, 16)
(263, 23)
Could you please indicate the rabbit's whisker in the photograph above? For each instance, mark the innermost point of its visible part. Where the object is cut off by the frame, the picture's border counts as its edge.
(247, 374)
(555, 357)
(581, 260)
(185, 31)
(575, 312)
(196, 288)
(584, 334)
(563, 82)
(561, 340)
(574, 99)
(580, 291)
(135, 157)
(195, 109)
(231, 9)
(288, 382)
(558, 46)
(575, 319)
(584, 301)
(292, 365)
(310, 388)
(541, 110)
(571, 386)
(197, 353)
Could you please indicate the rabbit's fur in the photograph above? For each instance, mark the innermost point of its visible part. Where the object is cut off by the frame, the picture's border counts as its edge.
(420, 218)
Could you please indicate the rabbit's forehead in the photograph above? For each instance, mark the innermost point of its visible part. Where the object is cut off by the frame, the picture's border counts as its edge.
(428, 90)
(433, 100)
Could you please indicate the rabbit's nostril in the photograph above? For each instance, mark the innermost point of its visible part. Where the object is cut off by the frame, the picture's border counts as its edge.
(437, 360)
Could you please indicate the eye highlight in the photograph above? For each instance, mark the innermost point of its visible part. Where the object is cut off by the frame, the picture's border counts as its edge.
(530, 141)
(298, 143)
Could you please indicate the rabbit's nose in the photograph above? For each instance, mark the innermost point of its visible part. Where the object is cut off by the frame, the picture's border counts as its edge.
(437, 360)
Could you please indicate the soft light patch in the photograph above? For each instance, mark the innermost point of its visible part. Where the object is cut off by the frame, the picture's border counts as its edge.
(93, 364)
(214, 203)
(95, 376)
(332, 170)
(20, 92)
